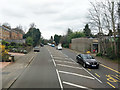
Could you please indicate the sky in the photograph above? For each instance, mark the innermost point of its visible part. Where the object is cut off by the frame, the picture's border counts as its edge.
(50, 16)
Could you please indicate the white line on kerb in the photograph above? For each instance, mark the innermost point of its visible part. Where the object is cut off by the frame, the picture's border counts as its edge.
(75, 85)
(61, 86)
(92, 75)
(75, 74)
(68, 66)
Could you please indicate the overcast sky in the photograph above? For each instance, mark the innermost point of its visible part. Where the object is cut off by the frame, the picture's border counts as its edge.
(50, 16)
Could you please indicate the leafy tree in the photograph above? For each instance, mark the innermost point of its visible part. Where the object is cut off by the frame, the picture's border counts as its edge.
(66, 40)
(51, 39)
(29, 41)
(57, 38)
(35, 34)
(87, 30)
(69, 31)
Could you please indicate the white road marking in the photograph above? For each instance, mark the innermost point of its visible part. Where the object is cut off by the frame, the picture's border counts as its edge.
(51, 56)
(54, 62)
(58, 58)
(69, 66)
(75, 85)
(76, 74)
(65, 55)
(73, 60)
(60, 82)
(92, 75)
(65, 61)
(89, 72)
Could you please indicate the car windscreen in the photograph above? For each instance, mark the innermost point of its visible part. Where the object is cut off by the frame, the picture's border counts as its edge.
(36, 47)
(87, 56)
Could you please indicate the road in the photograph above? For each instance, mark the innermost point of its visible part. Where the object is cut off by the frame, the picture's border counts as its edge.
(52, 68)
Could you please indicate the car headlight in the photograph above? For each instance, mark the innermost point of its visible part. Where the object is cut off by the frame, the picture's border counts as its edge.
(88, 63)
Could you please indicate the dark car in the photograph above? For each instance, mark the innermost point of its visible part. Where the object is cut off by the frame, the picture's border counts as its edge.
(36, 49)
(87, 61)
(42, 45)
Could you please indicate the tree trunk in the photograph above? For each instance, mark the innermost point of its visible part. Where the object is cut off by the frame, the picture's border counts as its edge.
(114, 30)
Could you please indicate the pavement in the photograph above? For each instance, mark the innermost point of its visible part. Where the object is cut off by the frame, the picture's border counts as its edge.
(4, 64)
(57, 69)
(11, 72)
(16, 55)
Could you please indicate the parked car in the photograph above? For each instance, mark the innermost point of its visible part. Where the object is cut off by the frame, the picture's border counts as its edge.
(59, 47)
(53, 45)
(87, 61)
(42, 45)
(36, 49)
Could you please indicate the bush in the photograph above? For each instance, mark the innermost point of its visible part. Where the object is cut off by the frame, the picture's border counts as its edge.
(111, 54)
(66, 45)
(99, 54)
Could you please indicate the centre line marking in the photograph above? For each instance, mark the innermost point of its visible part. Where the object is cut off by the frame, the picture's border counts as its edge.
(68, 66)
(60, 82)
(111, 85)
(75, 85)
(65, 61)
(97, 75)
(54, 62)
(110, 68)
(58, 58)
(75, 74)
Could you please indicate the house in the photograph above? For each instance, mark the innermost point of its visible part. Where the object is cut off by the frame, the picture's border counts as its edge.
(5, 33)
(11, 35)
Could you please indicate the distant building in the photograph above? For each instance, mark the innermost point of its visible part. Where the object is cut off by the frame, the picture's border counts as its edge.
(4, 33)
(10, 34)
(85, 44)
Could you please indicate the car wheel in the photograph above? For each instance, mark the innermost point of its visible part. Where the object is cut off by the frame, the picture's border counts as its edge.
(84, 65)
(97, 67)
(77, 61)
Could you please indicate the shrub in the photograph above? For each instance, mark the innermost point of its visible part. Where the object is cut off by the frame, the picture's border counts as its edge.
(99, 54)
(66, 45)
(111, 54)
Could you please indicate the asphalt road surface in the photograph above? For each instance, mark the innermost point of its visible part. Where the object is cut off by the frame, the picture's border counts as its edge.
(53, 68)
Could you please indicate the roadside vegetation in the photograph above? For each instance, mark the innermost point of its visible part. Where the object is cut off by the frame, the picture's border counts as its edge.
(32, 36)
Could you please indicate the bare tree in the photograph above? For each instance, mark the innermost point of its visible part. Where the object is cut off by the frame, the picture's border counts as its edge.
(6, 25)
(32, 25)
(110, 17)
(95, 16)
(103, 16)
